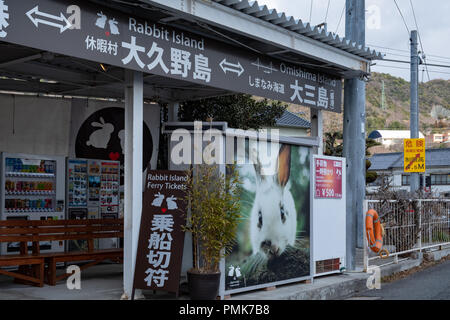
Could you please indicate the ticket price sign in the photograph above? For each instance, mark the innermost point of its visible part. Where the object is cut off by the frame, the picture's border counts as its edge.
(161, 238)
(328, 179)
(414, 155)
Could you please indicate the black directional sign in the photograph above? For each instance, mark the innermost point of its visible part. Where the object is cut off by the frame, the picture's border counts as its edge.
(80, 29)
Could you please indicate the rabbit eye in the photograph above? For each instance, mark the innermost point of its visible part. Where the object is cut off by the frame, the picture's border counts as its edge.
(260, 219)
(283, 214)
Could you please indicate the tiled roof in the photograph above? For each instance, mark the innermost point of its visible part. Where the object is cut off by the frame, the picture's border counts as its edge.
(289, 119)
(296, 25)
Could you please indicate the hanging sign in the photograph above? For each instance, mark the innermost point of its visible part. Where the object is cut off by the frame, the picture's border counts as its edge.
(161, 238)
(328, 179)
(84, 30)
(414, 155)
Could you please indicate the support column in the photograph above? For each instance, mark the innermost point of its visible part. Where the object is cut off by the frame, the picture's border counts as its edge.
(317, 129)
(173, 111)
(354, 137)
(134, 101)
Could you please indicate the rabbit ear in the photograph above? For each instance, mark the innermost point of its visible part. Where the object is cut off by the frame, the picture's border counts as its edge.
(253, 157)
(96, 124)
(284, 164)
(102, 120)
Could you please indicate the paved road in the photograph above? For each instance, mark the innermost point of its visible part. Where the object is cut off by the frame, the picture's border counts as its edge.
(430, 284)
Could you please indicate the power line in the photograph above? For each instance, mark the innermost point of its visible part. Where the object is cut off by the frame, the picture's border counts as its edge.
(403, 18)
(326, 14)
(401, 50)
(340, 19)
(423, 64)
(402, 68)
(420, 38)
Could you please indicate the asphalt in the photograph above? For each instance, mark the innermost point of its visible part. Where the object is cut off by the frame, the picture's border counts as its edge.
(104, 282)
(429, 284)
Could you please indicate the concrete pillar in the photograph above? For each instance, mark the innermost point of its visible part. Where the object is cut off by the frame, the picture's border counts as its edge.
(317, 129)
(134, 106)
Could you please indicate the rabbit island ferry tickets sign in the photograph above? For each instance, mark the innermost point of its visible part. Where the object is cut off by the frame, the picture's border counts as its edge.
(98, 33)
(328, 179)
(161, 238)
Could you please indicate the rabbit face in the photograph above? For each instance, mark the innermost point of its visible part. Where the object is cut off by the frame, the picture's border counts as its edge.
(273, 219)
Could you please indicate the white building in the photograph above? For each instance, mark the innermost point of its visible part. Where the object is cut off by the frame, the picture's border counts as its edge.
(437, 162)
(391, 137)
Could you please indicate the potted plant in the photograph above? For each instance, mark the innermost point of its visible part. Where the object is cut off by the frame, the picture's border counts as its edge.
(214, 201)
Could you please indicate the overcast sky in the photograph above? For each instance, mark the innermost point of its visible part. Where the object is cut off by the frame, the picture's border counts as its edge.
(385, 28)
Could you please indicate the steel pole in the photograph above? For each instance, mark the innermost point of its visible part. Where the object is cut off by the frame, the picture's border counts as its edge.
(354, 137)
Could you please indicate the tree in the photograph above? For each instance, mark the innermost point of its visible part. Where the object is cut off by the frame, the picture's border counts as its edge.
(335, 149)
(239, 111)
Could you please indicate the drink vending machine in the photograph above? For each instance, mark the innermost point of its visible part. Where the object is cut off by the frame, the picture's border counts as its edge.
(32, 188)
(93, 192)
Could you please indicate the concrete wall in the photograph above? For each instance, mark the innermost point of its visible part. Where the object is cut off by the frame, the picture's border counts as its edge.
(34, 125)
(291, 132)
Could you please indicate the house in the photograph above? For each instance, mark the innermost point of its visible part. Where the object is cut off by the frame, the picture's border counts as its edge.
(437, 163)
(391, 137)
(438, 138)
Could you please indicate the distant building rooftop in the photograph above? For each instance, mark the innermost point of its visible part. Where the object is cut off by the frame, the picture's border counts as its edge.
(388, 161)
(392, 134)
(291, 120)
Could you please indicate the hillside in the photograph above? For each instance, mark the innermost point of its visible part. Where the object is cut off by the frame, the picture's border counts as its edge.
(396, 113)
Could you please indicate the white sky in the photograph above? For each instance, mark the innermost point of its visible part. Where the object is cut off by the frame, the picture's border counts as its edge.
(432, 19)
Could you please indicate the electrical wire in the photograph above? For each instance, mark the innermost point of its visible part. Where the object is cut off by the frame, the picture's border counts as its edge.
(420, 38)
(340, 19)
(403, 68)
(328, 8)
(403, 18)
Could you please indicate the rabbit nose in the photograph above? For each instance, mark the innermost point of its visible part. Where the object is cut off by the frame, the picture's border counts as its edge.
(267, 246)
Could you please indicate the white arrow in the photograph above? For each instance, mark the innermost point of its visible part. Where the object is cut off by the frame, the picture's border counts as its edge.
(236, 68)
(35, 11)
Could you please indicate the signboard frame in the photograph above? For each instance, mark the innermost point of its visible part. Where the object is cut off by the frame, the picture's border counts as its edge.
(139, 44)
(318, 206)
(414, 154)
(223, 291)
(173, 239)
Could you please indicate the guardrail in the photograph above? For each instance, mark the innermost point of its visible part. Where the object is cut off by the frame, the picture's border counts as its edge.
(409, 226)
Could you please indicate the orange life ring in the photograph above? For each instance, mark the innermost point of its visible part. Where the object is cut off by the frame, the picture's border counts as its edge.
(374, 231)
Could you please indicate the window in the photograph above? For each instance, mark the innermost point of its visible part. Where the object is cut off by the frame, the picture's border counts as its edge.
(440, 179)
(405, 180)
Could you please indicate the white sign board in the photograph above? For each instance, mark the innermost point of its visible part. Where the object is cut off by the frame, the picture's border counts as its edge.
(329, 219)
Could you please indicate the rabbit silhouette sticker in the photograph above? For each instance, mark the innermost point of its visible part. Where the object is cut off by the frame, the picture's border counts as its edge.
(171, 204)
(101, 20)
(231, 271)
(113, 26)
(100, 138)
(159, 198)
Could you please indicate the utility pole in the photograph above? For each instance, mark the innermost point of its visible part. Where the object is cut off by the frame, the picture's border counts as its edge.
(355, 137)
(383, 97)
(414, 108)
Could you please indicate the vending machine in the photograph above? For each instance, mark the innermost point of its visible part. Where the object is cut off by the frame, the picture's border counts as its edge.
(93, 193)
(32, 188)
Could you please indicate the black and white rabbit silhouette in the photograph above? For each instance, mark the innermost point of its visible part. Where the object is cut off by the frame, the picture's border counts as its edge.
(273, 218)
(100, 138)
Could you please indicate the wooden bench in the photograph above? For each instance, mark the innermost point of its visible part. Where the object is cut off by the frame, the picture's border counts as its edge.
(61, 230)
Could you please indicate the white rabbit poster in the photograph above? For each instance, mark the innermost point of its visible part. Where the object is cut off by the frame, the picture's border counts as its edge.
(273, 238)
